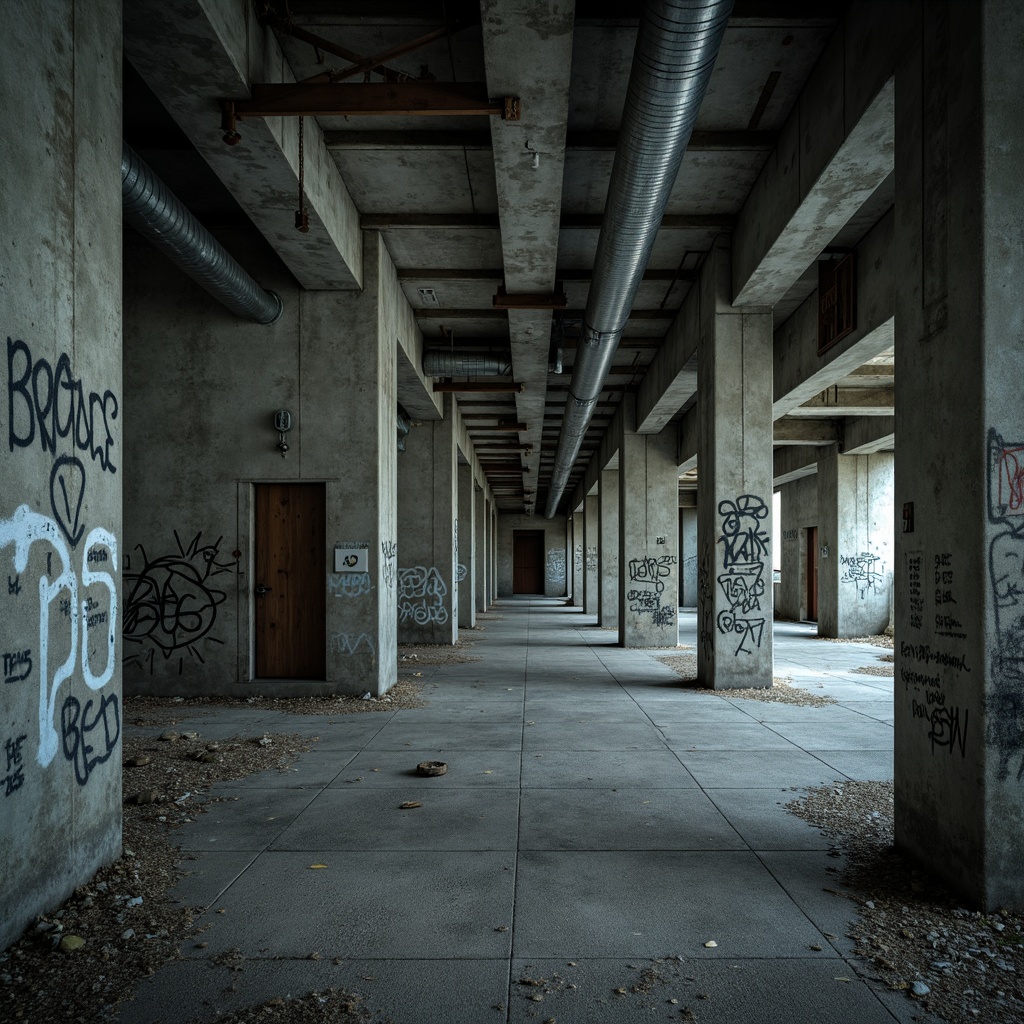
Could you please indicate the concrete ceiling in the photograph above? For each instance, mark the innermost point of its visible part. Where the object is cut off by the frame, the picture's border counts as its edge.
(468, 203)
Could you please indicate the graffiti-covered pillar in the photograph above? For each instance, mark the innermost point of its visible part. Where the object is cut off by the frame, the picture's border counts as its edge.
(734, 468)
(591, 576)
(578, 559)
(61, 453)
(428, 532)
(466, 555)
(959, 490)
(648, 530)
(608, 548)
(855, 530)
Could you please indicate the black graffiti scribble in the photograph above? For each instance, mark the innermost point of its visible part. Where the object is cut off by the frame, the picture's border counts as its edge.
(946, 730)
(67, 489)
(745, 546)
(860, 569)
(15, 777)
(77, 726)
(704, 599)
(170, 603)
(742, 538)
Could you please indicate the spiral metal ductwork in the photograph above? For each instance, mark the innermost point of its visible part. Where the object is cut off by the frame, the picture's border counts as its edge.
(441, 362)
(159, 216)
(675, 54)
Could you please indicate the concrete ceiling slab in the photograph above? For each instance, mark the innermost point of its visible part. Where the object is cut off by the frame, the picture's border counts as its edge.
(466, 247)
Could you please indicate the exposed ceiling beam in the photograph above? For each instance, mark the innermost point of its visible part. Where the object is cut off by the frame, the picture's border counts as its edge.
(487, 313)
(498, 274)
(574, 221)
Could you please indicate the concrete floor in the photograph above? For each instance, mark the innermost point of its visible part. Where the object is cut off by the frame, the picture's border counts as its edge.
(594, 811)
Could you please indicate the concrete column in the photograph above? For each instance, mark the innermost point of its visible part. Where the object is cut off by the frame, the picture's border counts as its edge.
(734, 464)
(855, 536)
(688, 558)
(61, 547)
(591, 543)
(493, 552)
(428, 595)
(648, 526)
(608, 548)
(578, 558)
(466, 550)
(480, 548)
(960, 457)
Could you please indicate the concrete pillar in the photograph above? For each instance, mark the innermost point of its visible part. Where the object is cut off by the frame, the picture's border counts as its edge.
(960, 457)
(734, 463)
(608, 548)
(428, 595)
(480, 548)
(855, 537)
(493, 551)
(688, 558)
(591, 540)
(578, 560)
(648, 526)
(466, 548)
(61, 549)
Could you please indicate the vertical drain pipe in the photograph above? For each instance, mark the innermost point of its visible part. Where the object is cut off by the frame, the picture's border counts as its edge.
(675, 54)
(161, 218)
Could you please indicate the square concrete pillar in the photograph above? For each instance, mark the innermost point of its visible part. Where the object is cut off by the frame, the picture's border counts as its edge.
(466, 548)
(61, 545)
(578, 560)
(648, 529)
(688, 557)
(608, 548)
(591, 578)
(734, 466)
(480, 548)
(855, 537)
(428, 594)
(959, 757)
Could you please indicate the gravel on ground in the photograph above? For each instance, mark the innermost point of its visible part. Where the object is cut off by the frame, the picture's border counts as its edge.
(782, 690)
(876, 641)
(410, 655)
(916, 935)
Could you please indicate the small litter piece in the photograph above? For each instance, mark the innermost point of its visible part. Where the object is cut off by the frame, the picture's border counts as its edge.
(431, 768)
(409, 805)
(316, 867)
(710, 944)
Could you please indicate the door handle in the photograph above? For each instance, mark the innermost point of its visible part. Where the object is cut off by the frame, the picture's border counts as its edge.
(261, 589)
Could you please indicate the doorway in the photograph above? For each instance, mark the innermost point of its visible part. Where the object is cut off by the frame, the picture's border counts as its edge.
(290, 583)
(527, 561)
(812, 573)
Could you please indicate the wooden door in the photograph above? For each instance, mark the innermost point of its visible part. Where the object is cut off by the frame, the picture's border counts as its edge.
(527, 561)
(291, 581)
(812, 573)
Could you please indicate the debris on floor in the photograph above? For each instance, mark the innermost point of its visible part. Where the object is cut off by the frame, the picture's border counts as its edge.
(961, 965)
(782, 690)
(435, 654)
(332, 1006)
(78, 961)
(885, 671)
(875, 641)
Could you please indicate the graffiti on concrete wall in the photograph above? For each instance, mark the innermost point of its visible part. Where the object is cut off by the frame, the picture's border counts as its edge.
(579, 559)
(705, 602)
(421, 594)
(14, 758)
(351, 643)
(388, 556)
(556, 566)
(1006, 582)
(349, 584)
(648, 576)
(745, 549)
(171, 602)
(862, 570)
(592, 558)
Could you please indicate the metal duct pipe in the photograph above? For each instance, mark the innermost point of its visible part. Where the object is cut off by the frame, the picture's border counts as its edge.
(441, 362)
(159, 216)
(675, 55)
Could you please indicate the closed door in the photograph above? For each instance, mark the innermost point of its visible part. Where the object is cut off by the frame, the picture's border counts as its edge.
(528, 562)
(812, 573)
(290, 584)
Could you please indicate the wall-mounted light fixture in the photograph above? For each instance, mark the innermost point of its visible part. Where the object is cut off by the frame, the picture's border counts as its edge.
(282, 424)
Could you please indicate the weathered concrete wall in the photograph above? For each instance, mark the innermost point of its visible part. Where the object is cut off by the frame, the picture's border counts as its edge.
(554, 551)
(855, 527)
(61, 459)
(688, 557)
(799, 512)
(466, 552)
(201, 390)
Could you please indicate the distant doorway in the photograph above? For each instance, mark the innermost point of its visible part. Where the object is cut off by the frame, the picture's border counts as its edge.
(812, 573)
(290, 585)
(527, 561)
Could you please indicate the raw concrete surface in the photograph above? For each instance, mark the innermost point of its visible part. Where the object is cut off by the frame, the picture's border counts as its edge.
(597, 816)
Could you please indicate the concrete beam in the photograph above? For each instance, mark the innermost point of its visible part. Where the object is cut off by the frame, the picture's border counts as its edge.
(805, 431)
(817, 179)
(224, 51)
(837, 401)
(799, 372)
(792, 463)
(869, 434)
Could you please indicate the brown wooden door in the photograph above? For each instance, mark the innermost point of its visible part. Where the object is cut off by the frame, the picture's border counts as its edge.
(812, 573)
(291, 582)
(527, 561)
